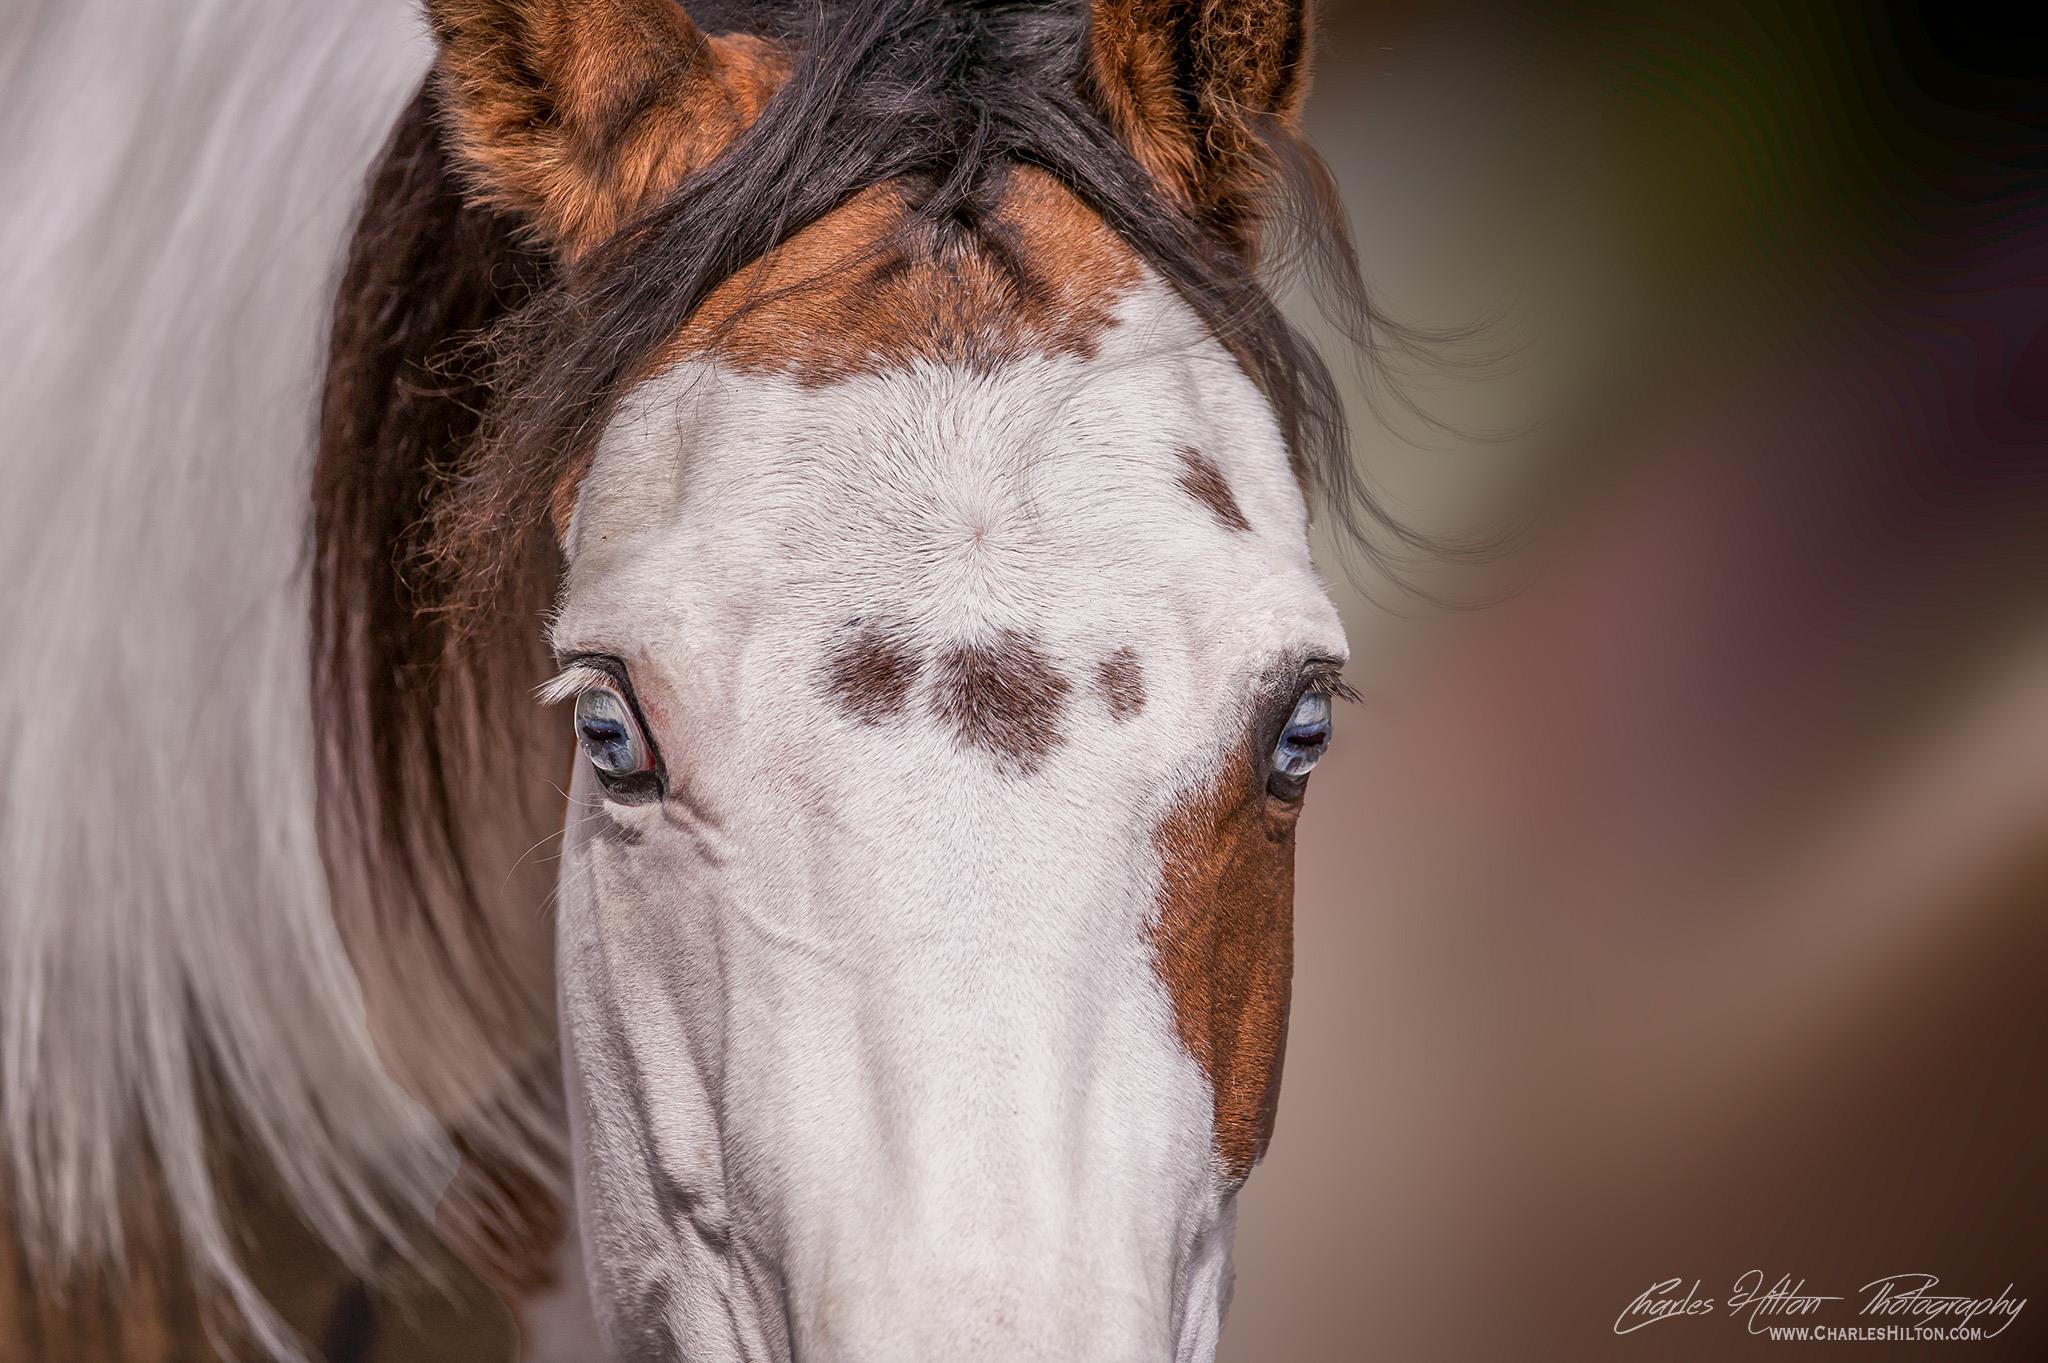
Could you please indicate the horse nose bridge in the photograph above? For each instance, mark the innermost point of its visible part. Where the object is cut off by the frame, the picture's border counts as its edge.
(1012, 1223)
(1016, 1305)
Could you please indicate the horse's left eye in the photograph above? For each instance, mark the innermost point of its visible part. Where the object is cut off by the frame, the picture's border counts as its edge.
(1305, 739)
(610, 734)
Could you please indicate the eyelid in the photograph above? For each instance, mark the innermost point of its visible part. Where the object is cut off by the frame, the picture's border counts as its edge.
(579, 673)
(1325, 678)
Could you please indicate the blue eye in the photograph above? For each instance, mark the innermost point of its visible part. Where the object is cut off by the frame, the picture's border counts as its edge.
(610, 735)
(1305, 739)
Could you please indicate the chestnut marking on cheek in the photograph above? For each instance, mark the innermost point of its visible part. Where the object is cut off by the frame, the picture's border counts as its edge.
(871, 675)
(1223, 944)
(1203, 481)
(1003, 697)
(1120, 681)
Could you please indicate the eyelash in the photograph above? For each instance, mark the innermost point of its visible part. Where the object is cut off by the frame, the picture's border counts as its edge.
(1325, 677)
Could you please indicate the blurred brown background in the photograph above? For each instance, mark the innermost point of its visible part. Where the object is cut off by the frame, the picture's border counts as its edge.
(1674, 908)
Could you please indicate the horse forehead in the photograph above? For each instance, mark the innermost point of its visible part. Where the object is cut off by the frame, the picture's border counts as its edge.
(1066, 457)
(870, 287)
(1065, 495)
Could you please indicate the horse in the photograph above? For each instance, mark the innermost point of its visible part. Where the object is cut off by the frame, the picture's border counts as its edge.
(869, 433)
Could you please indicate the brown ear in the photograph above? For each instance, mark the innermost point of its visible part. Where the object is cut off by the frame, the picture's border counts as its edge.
(574, 113)
(1191, 84)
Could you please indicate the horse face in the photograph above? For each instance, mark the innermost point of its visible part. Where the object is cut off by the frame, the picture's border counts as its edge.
(947, 662)
(925, 926)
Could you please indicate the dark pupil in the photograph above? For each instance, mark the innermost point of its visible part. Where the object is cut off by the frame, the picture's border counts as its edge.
(607, 743)
(1308, 737)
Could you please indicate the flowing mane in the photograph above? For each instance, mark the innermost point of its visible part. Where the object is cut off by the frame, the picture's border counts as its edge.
(172, 985)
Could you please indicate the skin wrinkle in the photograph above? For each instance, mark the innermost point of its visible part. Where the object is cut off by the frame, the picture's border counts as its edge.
(683, 811)
(653, 1338)
(672, 1201)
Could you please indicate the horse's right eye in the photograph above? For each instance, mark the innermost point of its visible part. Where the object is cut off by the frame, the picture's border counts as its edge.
(610, 735)
(1306, 738)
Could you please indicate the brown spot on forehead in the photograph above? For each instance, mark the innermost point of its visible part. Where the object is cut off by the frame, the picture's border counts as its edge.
(1202, 480)
(869, 288)
(871, 674)
(1120, 681)
(1003, 697)
(1223, 944)
(859, 292)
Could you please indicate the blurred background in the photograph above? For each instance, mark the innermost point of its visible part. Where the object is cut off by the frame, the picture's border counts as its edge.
(1674, 907)
(1676, 904)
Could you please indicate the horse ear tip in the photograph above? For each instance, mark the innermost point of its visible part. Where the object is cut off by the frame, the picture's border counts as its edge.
(1246, 65)
(573, 117)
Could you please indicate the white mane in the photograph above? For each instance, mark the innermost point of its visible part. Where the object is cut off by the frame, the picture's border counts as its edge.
(179, 180)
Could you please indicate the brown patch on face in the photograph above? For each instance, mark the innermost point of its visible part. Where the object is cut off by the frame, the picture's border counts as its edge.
(1121, 683)
(871, 675)
(1224, 946)
(858, 291)
(855, 293)
(1202, 480)
(1003, 697)
(575, 113)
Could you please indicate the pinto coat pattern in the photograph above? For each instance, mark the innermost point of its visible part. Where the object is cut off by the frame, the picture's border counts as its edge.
(867, 341)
